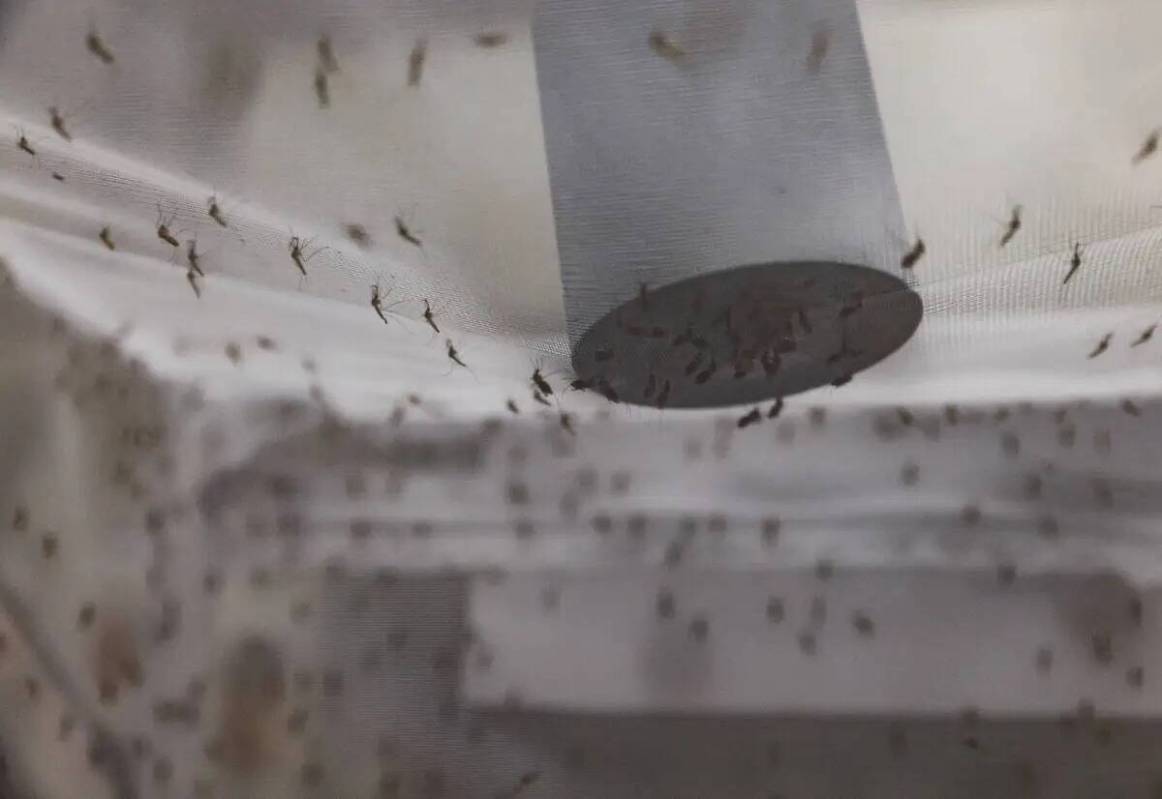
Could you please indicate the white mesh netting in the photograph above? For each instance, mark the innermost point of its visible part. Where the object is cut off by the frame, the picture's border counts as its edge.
(258, 540)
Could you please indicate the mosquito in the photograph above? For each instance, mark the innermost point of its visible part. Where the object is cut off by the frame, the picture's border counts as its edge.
(23, 144)
(327, 60)
(163, 231)
(98, 47)
(820, 41)
(664, 395)
(405, 232)
(1013, 226)
(377, 302)
(416, 60)
(358, 234)
(664, 46)
(1074, 263)
(298, 252)
(106, 236)
(215, 212)
(1146, 335)
(1102, 345)
(377, 297)
(429, 318)
(193, 257)
(1148, 148)
(58, 123)
(753, 417)
(913, 256)
(541, 384)
(454, 354)
(490, 39)
(322, 88)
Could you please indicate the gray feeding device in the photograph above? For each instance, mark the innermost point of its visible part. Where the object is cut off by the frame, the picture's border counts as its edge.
(727, 220)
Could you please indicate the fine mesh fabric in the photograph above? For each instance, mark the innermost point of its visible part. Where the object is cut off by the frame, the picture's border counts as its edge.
(259, 538)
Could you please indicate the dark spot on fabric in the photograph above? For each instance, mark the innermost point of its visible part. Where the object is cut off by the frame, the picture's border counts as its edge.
(775, 610)
(863, 624)
(665, 606)
(86, 616)
(162, 770)
(770, 531)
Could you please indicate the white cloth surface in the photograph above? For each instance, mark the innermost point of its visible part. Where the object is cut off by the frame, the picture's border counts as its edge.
(259, 543)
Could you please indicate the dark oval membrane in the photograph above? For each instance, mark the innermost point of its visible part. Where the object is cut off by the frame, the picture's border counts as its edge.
(746, 334)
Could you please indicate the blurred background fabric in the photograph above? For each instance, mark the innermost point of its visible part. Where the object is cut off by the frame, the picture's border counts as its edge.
(260, 537)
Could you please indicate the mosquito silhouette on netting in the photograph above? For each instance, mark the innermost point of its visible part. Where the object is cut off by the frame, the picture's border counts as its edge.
(194, 256)
(96, 44)
(164, 227)
(221, 217)
(378, 296)
(913, 250)
(25, 146)
(457, 359)
(301, 252)
(431, 318)
(406, 230)
(542, 390)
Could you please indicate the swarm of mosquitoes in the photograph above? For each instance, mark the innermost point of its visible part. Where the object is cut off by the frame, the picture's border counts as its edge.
(662, 44)
(257, 697)
(260, 694)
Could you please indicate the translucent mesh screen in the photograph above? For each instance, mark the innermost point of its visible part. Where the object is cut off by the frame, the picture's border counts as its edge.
(313, 485)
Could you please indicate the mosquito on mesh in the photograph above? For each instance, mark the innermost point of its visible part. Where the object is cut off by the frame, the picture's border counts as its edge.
(753, 417)
(820, 42)
(667, 48)
(404, 231)
(416, 59)
(358, 234)
(58, 123)
(540, 383)
(377, 296)
(23, 143)
(913, 256)
(327, 61)
(490, 39)
(322, 88)
(454, 354)
(1013, 226)
(194, 258)
(163, 227)
(1074, 263)
(1148, 148)
(1102, 345)
(106, 237)
(429, 317)
(298, 248)
(215, 212)
(96, 45)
